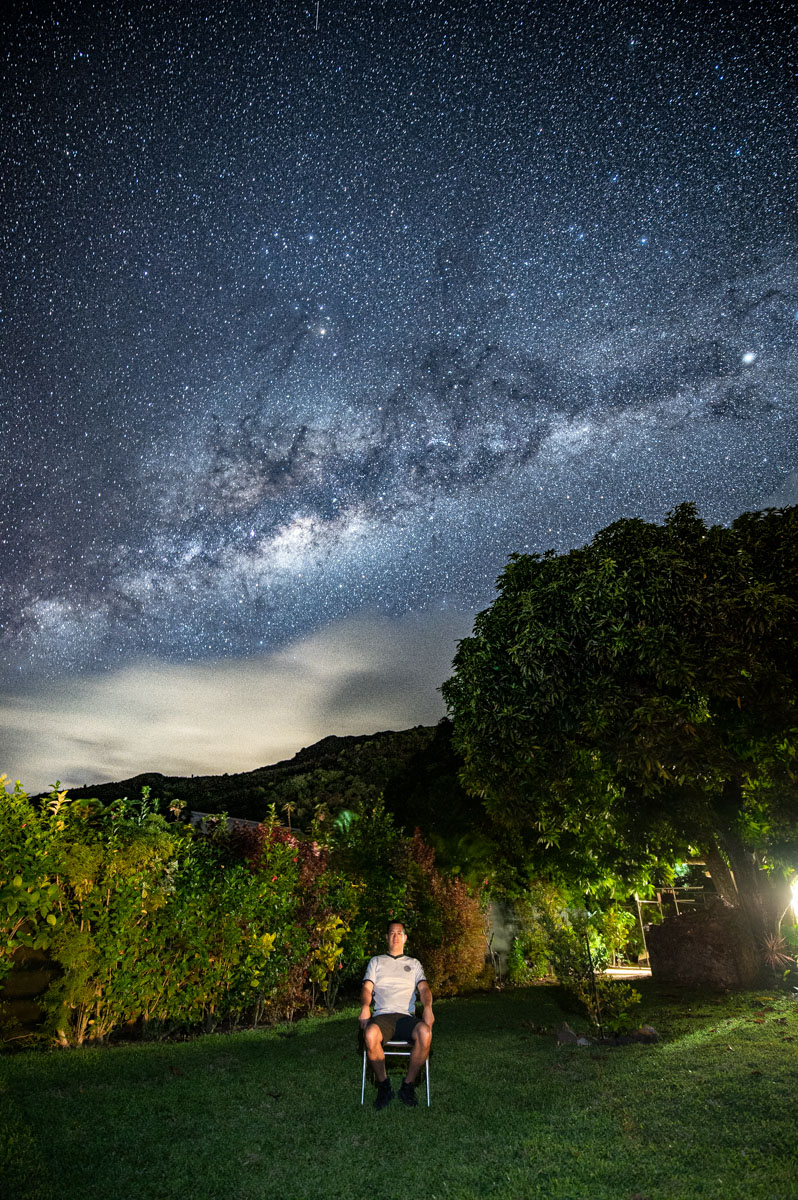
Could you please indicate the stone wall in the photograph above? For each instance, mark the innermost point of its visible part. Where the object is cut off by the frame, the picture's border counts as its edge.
(709, 947)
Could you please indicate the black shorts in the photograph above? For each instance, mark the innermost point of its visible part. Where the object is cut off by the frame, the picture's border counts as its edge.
(395, 1027)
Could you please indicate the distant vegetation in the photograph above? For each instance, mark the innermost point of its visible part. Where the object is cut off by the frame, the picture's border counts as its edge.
(413, 771)
(338, 772)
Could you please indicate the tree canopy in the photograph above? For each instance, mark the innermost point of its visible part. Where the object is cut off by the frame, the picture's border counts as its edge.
(630, 699)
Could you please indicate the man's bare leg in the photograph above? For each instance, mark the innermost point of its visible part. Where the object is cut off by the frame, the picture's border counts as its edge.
(421, 1038)
(375, 1052)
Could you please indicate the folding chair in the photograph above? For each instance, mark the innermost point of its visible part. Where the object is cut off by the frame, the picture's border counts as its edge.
(391, 1050)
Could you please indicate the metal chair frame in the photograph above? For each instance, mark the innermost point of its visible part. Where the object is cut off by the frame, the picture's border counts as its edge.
(393, 1049)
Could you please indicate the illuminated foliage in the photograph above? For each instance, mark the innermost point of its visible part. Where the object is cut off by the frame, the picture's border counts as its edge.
(630, 699)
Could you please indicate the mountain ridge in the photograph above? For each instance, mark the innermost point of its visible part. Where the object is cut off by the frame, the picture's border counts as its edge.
(337, 772)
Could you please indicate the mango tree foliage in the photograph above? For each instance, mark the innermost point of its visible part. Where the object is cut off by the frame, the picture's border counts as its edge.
(625, 701)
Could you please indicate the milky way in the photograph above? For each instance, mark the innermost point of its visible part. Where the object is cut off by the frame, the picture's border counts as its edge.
(305, 323)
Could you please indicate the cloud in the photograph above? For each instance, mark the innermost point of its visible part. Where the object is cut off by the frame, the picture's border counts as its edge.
(357, 676)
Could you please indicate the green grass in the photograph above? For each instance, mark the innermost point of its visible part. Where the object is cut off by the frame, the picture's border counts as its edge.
(707, 1113)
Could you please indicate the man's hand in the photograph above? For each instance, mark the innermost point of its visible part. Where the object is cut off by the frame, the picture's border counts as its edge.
(365, 1016)
(425, 996)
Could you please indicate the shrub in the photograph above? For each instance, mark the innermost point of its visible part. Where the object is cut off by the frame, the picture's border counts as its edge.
(371, 853)
(115, 870)
(447, 923)
(398, 879)
(320, 937)
(536, 911)
(157, 926)
(28, 891)
(518, 970)
(577, 955)
(611, 1004)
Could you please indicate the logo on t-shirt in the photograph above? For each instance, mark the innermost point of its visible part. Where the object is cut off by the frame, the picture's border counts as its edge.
(408, 968)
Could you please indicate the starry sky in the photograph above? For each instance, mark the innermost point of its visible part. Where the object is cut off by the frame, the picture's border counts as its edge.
(311, 315)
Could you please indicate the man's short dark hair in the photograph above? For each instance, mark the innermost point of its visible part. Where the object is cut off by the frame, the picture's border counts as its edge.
(395, 921)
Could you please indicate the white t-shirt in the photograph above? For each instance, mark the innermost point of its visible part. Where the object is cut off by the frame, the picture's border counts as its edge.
(395, 980)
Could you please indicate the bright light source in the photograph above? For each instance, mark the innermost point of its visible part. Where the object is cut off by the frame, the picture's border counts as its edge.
(794, 890)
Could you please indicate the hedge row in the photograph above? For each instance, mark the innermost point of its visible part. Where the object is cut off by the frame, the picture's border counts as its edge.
(154, 925)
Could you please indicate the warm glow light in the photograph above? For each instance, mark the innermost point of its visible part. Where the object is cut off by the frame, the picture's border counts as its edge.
(794, 890)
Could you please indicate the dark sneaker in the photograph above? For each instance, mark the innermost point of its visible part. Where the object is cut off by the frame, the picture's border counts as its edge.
(385, 1094)
(407, 1094)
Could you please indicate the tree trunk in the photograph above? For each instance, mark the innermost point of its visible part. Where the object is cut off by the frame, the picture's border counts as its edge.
(722, 877)
(757, 889)
(736, 870)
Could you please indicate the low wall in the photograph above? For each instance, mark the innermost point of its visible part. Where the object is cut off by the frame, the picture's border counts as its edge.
(709, 947)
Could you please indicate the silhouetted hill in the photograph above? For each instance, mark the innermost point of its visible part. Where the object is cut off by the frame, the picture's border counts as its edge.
(338, 772)
(415, 770)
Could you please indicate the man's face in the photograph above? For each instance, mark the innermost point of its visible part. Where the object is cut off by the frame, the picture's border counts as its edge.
(396, 939)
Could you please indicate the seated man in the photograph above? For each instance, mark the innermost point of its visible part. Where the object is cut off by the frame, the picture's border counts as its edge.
(392, 981)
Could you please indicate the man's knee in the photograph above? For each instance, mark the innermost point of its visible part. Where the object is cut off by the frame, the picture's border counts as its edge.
(423, 1035)
(373, 1037)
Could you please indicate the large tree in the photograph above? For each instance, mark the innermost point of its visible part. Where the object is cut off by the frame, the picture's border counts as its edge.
(630, 699)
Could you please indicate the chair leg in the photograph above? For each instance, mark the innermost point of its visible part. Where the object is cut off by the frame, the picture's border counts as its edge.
(390, 1053)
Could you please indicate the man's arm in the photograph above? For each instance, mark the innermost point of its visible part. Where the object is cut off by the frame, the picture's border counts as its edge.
(365, 1000)
(425, 996)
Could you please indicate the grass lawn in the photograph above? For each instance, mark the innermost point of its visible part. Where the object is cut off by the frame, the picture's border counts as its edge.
(709, 1112)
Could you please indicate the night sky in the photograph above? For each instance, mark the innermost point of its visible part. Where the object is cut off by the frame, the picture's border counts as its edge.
(305, 330)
